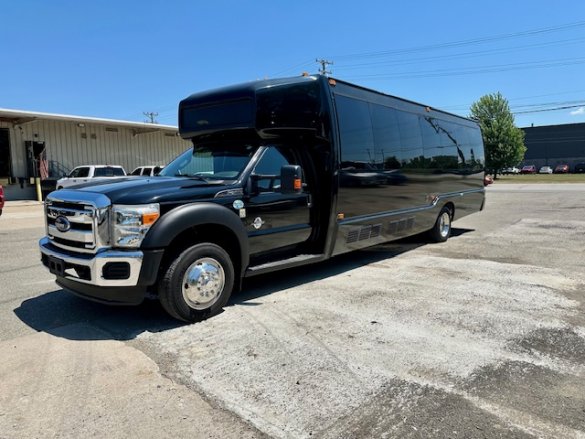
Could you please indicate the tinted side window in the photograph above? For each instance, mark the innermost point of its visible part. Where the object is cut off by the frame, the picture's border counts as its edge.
(467, 144)
(136, 171)
(440, 143)
(146, 170)
(387, 149)
(117, 172)
(355, 129)
(410, 139)
(459, 135)
(476, 151)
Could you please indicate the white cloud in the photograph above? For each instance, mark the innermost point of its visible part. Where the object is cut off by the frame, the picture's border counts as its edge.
(578, 111)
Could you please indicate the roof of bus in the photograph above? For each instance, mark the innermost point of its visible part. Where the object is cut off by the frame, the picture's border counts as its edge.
(426, 108)
(249, 89)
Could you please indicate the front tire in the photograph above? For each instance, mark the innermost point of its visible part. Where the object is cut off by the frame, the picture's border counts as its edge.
(442, 228)
(197, 283)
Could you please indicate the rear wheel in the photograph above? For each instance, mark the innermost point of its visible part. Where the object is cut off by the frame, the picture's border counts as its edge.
(442, 228)
(197, 283)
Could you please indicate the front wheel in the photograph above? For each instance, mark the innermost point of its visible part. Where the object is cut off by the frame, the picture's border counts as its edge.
(198, 283)
(442, 228)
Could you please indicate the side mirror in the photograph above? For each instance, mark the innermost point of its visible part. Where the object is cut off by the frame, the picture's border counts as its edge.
(291, 179)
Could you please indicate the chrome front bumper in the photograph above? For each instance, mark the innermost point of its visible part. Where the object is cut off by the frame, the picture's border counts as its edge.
(89, 268)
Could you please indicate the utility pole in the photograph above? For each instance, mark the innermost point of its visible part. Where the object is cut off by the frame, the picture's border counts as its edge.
(151, 116)
(324, 63)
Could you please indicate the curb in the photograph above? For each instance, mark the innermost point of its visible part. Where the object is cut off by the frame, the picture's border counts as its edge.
(22, 203)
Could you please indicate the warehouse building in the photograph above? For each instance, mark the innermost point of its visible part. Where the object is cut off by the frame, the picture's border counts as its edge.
(554, 145)
(49, 146)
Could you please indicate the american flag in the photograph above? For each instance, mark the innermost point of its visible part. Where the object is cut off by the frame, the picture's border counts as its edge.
(43, 165)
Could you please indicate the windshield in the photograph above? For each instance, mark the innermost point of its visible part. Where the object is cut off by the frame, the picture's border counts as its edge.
(211, 162)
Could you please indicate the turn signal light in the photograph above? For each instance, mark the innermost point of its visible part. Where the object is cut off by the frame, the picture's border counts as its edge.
(297, 184)
(149, 219)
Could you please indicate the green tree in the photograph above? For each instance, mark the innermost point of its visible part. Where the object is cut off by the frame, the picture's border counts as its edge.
(504, 142)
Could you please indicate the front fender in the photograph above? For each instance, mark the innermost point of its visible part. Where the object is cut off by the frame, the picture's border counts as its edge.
(176, 221)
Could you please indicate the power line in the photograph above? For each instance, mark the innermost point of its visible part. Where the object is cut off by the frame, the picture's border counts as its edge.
(548, 104)
(464, 42)
(566, 107)
(558, 140)
(296, 66)
(521, 98)
(475, 70)
(352, 61)
(463, 55)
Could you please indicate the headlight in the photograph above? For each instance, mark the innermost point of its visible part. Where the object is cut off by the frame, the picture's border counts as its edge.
(130, 223)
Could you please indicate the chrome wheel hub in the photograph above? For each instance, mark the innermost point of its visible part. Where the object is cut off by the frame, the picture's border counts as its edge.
(203, 283)
(444, 224)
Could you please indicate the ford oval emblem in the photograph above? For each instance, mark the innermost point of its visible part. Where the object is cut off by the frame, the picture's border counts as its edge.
(62, 224)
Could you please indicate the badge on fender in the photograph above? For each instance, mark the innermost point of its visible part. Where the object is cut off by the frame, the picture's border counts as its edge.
(258, 223)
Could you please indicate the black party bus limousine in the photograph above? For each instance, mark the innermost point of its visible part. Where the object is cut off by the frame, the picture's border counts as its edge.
(282, 173)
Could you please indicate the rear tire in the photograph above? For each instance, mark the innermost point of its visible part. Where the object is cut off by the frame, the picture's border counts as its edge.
(442, 228)
(197, 283)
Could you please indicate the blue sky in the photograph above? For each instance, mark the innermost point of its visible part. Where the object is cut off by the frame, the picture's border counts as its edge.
(117, 59)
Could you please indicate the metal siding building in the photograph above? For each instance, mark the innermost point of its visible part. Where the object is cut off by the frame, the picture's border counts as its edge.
(70, 141)
(555, 144)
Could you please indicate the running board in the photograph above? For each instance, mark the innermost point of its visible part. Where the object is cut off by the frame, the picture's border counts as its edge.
(284, 263)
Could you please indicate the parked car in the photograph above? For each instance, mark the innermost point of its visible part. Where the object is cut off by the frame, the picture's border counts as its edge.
(545, 170)
(149, 171)
(1, 199)
(528, 169)
(85, 174)
(561, 169)
(579, 168)
(512, 170)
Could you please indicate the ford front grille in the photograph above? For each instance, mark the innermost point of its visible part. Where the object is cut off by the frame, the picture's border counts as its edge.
(78, 221)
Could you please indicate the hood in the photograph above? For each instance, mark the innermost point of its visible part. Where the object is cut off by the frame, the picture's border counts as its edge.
(143, 190)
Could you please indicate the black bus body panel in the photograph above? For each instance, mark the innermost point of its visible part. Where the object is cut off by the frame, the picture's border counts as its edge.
(399, 164)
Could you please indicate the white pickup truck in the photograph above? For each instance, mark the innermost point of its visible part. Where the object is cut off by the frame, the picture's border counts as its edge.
(88, 173)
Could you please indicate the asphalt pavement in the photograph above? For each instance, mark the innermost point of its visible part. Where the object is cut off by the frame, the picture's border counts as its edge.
(480, 337)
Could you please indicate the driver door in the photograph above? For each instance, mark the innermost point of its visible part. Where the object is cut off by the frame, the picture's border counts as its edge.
(275, 220)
